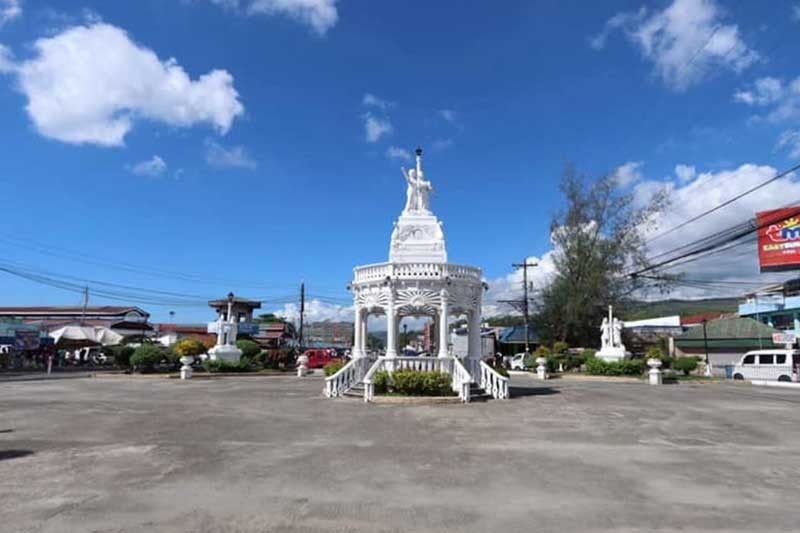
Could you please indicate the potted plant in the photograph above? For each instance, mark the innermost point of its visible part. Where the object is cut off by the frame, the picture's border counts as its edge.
(187, 349)
(654, 357)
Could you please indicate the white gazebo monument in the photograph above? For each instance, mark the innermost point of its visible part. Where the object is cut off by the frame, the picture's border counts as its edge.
(417, 281)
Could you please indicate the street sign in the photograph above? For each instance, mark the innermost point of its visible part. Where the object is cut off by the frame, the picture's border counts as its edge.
(784, 337)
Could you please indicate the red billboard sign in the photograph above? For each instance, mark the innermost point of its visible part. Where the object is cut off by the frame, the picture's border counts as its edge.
(779, 239)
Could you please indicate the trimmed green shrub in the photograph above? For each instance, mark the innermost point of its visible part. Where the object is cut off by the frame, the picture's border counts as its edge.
(421, 383)
(687, 365)
(146, 357)
(587, 354)
(220, 366)
(381, 381)
(560, 347)
(572, 362)
(121, 354)
(626, 367)
(250, 349)
(332, 368)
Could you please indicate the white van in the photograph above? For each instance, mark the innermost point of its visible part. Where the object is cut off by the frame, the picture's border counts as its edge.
(780, 365)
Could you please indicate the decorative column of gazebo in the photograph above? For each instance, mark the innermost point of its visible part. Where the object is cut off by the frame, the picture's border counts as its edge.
(417, 281)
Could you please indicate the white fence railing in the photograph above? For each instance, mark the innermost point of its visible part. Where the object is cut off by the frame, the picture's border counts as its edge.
(381, 271)
(347, 376)
(494, 383)
(460, 382)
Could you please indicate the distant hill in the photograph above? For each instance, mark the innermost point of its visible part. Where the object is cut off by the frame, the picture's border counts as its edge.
(641, 310)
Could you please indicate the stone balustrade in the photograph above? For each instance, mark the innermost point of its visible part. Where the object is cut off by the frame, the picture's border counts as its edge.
(347, 376)
(494, 383)
(415, 271)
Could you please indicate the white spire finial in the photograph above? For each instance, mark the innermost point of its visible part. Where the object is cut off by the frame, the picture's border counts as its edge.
(419, 162)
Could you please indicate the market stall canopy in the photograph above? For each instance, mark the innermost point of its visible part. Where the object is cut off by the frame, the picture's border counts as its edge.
(86, 334)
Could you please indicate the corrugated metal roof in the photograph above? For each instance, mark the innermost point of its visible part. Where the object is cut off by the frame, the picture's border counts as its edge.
(730, 328)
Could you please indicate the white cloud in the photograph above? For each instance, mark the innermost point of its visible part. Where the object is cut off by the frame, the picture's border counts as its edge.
(320, 15)
(441, 144)
(6, 60)
(764, 91)
(790, 140)
(9, 10)
(316, 311)
(780, 100)
(510, 286)
(686, 42)
(448, 115)
(395, 152)
(370, 100)
(154, 166)
(628, 173)
(376, 127)
(685, 172)
(90, 84)
(228, 157)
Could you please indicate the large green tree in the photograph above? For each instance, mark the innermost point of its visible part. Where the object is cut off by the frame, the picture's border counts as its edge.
(598, 239)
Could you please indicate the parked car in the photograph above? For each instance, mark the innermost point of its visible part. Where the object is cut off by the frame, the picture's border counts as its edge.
(781, 365)
(518, 361)
(319, 357)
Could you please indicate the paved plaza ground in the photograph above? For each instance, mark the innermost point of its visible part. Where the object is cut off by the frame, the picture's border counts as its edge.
(270, 454)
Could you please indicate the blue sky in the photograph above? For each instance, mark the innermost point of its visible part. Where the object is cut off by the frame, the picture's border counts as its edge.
(250, 144)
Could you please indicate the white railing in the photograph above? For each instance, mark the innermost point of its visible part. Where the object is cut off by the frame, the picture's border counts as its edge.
(494, 383)
(461, 379)
(347, 376)
(415, 271)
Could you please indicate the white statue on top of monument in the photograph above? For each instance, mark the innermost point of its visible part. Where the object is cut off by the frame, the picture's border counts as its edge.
(418, 190)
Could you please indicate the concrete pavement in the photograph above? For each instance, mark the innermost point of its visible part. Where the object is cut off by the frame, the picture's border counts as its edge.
(270, 454)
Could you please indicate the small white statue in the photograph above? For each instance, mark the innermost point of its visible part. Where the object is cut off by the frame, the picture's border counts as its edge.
(611, 347)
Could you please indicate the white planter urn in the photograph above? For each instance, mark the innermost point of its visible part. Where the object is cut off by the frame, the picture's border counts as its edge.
(302, 366)
(541, 369)
(655, 374)
(186, 369)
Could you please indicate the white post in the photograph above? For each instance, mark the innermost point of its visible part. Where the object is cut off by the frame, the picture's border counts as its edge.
(391, 331)
(363, 325)
(443, 340)
(541, 370)
(357, 334)
(474, 340)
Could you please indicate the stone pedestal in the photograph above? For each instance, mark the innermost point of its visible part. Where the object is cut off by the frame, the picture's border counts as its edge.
(541, 370)
(612, 353)
(655, 374)
(186, 369)
(417, 238)
(225, 352)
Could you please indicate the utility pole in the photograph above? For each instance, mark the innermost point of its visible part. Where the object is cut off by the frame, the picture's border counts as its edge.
(526, 301)
(705, 340)
(85, 303)
(302, 310)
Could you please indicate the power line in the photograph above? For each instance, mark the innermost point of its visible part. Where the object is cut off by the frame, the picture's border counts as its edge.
(726, 202)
